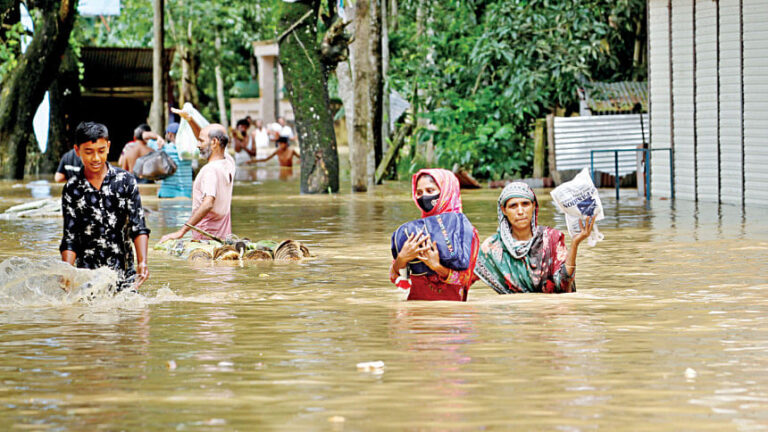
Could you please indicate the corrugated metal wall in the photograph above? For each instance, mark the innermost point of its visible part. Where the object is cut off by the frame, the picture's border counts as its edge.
(576, 136)
(682, 98)
(709, 98)
(756, 101)
(705, 22)
(730, 103)
(660, 100)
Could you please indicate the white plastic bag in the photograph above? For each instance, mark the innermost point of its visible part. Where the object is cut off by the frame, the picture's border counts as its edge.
(186, 141)
(579, 200)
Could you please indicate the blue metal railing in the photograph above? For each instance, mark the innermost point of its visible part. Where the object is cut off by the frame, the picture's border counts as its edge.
(647, 153)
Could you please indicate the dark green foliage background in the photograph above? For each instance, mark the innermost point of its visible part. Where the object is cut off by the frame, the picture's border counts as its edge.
(482, 71)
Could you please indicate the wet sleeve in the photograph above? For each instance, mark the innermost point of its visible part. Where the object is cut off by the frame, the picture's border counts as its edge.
(466, 277)
(562, 282)
(71, 227)
(136, 222)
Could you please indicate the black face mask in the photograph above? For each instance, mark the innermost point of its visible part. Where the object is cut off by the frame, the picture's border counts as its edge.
(428, 202)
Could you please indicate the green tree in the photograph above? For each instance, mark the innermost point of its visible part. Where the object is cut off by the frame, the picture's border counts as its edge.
(306, 79)
(483, 71)
(24, 87)
(192, 27)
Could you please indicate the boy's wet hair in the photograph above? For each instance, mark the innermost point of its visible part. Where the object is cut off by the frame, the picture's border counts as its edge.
(221, 135)
(242, 122)
(139, 131)
(90, 131)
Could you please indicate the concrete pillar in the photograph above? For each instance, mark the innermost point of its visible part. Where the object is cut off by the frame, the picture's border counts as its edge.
(266, 53)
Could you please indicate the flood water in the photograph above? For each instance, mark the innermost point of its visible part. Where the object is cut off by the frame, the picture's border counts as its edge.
(668, 330)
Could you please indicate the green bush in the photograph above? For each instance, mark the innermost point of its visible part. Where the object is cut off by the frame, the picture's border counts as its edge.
(481, 72)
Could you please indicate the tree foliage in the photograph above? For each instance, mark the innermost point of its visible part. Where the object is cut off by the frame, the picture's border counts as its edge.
(483, 71)
(23, 88)
(238, 22)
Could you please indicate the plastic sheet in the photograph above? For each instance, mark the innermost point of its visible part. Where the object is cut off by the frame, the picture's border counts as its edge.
(579, 200)
(186, 141)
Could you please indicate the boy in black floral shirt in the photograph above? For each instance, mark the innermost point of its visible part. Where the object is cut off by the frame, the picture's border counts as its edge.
(102, 213)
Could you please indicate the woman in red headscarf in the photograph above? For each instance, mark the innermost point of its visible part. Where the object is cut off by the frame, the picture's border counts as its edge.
(435, 191)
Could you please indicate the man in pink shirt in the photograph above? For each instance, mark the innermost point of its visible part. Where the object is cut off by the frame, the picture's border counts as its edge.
(212, 190)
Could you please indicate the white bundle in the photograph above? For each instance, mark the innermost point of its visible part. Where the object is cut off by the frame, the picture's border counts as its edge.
(578, 199)
(186, 141)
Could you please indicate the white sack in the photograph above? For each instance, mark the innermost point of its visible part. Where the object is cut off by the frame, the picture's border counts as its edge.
(579, 200)
(186, 141)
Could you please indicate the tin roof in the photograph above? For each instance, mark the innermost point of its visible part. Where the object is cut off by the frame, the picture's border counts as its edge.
(119, 72)
(615, 98)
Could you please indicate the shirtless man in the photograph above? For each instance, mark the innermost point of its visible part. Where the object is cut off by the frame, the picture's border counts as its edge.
(136, 148)
(244, 145)
(284, 153)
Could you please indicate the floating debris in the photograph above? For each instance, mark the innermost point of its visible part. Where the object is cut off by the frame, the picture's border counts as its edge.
(171, 365)
(234, 250)
(374, 367)
(258, 255)
(226, 253)
(200, 255)
(36, 209)
(290, 250)
(690, 373)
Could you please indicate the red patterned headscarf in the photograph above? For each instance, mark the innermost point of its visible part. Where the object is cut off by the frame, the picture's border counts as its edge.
(450, 196)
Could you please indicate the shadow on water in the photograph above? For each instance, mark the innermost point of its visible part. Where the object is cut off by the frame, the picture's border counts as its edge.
(666, 329)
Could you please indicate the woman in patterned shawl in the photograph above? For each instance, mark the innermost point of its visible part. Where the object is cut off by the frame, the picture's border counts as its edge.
(523, 256)
(435, 191)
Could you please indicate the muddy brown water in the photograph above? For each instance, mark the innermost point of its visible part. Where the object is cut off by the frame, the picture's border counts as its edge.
(668, 330)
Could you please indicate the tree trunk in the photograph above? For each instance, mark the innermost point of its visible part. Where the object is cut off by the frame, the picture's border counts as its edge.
(361, 146)
(65, 98)
(377, 83)
(347, 94)
(306, 82)
(421, 11)
(25, 88)
(189, 66)
(392, 21)
(344, 74)
(220, 85)
(157, 110)
(385, 132)
(252, 65)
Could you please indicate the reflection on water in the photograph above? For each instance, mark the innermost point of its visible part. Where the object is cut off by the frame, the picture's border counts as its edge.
(667, 331)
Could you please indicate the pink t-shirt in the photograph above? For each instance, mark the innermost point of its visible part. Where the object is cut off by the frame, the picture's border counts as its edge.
(215, 179)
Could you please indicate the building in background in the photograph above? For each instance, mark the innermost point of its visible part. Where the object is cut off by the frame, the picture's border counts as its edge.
(708, 82)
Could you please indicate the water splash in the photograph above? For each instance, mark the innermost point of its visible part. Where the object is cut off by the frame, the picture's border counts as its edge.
(50, 282)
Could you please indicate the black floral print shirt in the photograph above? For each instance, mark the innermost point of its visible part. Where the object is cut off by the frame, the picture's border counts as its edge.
(100, 224)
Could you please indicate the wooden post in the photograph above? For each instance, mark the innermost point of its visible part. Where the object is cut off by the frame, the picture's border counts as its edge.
(539, 149)
(551, 146)
(157, 111)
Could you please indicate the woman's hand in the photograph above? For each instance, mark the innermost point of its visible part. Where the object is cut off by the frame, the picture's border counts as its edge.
(586, 230)
(430, 256)
(412, 248)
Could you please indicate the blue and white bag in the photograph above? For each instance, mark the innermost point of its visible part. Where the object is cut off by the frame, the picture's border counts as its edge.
(578, 199)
